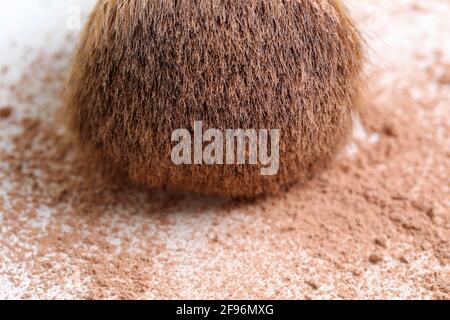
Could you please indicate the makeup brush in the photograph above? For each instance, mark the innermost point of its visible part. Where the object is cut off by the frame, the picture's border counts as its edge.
(147, 73)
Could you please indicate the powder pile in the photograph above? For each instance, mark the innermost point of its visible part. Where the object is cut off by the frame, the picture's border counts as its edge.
(375, 225)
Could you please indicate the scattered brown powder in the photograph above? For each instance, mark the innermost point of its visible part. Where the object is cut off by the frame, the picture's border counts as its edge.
(375, 259)
(5, 112)
(375, 225)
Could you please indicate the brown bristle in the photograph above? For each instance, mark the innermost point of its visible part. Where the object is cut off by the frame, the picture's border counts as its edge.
(146, 68)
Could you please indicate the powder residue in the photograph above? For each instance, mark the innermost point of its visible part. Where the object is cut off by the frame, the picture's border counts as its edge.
(5, 112)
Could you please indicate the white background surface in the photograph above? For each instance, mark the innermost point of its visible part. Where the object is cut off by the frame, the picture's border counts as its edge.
(30, 24)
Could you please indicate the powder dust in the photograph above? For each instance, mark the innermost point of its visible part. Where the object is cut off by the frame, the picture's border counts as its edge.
(375, 225)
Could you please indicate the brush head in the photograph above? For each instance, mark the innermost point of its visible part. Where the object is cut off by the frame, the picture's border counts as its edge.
(146, 68)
